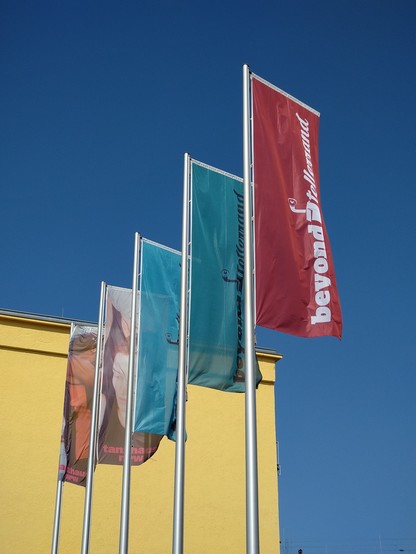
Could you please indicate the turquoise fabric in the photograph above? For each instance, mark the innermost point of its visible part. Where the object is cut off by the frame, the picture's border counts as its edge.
(216, 328)
(158, 339)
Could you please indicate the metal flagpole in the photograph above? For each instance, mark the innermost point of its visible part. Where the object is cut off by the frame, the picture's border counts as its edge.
(125, 495)
(252, 511)
(58, 499)
(57, 516)
(178, 515)
(92, 453)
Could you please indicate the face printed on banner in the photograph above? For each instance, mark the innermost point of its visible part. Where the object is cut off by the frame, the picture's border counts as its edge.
(80, 378)
(122, 303)
(78, 404)
(120, 377)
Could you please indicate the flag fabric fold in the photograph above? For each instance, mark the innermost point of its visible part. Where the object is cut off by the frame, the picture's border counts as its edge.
(296, 289)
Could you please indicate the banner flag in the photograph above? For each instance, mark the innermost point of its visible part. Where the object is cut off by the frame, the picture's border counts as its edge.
(114, 386)
(158, 339)
(296, 290)
(216, 312)
(79, 388)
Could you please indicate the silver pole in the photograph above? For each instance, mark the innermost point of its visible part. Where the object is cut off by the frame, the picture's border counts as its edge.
(125, 494)
(86, 529)
(58, 503)
(57, 517)
(178, 514)
(252, 511)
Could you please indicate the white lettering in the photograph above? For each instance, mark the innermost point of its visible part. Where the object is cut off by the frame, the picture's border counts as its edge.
(313, 213)
(323, 297)
(319, 249)
(317, 232)
(321, 282)
(308, 177)
(320, 265)
(311, 194)
(323, 315)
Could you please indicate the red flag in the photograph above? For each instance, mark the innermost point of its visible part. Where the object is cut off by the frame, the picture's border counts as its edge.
(296, 290)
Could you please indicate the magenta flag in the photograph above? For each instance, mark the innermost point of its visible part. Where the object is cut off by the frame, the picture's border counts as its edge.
(296, 290)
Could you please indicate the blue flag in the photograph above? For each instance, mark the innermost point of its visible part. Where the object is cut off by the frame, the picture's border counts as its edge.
(216, 326)
(158, 339)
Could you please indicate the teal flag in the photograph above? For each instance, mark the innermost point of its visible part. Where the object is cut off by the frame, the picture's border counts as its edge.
(158, 339)
(216, 325)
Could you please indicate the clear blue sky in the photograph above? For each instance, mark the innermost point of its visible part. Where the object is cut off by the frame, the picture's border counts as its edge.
(100, 100)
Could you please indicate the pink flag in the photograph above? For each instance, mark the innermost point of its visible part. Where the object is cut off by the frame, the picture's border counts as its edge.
(296, 290)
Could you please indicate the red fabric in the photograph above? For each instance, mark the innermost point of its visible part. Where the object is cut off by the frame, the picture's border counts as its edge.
(296, 289)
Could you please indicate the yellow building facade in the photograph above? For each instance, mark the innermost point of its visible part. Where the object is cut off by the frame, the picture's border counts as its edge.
(33, 358)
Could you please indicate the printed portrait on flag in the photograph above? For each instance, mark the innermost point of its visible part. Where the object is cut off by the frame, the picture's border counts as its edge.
(79, 387)
(114, 385)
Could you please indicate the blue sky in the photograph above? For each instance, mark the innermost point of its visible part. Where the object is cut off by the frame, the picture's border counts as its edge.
(98, 103)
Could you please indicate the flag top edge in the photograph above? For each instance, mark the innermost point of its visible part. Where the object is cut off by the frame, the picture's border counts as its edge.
(222, 172)
(118, 288)
(277, 89)
(161, 246)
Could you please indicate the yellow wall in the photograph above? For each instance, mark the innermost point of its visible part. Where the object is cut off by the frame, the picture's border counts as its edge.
(33, 368)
